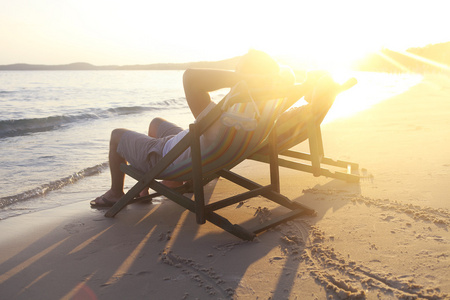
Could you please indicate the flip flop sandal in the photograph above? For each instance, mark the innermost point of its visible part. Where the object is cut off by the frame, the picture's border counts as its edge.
(104, 202)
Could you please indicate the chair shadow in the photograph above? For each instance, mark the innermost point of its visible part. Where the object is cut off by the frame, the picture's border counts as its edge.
(290, 238)
(97, 259)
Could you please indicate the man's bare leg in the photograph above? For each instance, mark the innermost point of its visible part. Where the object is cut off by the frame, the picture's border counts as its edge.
(153, 132)
(117, 176)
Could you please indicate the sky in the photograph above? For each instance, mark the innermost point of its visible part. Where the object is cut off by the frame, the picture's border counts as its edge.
(127, 32)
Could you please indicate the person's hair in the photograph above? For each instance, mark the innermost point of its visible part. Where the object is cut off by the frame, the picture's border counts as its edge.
(257, 62)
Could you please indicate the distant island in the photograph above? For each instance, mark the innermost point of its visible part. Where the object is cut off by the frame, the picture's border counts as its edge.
(382, 61)
(82, 66)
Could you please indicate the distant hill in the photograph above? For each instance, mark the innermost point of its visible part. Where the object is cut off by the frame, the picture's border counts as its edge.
(28, 67)
(383, 61)
(228, 64)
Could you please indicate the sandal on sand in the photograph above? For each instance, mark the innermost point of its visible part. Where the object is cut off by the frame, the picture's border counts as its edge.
(104, 202)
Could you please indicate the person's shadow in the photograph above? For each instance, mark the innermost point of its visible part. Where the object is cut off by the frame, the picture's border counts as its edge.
(237, 256)
(114, 257)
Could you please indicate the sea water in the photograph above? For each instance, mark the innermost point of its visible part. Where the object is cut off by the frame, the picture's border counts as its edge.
(55, 126)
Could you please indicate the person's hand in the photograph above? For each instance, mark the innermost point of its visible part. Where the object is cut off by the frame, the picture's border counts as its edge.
(312, 77)
(322, 85)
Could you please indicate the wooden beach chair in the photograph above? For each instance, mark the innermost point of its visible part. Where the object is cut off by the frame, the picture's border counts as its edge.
(233, 146)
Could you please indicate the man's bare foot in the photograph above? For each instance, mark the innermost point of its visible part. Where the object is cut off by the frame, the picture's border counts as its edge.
(144, 193)
(108, 199)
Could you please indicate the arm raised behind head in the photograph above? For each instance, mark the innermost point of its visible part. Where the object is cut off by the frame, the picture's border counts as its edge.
(198, 83)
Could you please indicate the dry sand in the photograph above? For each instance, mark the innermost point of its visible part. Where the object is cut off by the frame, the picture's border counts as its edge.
(384, 238)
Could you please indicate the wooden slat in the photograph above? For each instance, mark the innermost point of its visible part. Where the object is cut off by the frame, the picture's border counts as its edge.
(278, 220)
(237, 198)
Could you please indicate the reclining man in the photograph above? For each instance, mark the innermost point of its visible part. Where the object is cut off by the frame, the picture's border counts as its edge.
(256, 68)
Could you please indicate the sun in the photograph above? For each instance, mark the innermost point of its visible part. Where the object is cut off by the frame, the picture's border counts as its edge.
(303, 35)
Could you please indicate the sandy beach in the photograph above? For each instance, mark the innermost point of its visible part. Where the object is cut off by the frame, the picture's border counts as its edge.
(384, 238)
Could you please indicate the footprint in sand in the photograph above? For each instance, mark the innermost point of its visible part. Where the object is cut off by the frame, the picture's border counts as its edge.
(346, 279)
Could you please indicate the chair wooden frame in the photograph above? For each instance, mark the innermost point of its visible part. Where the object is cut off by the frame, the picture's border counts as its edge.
(199, 178)
(314, 161)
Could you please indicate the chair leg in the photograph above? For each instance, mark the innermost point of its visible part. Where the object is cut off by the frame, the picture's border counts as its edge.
(212, 217)
(273, 161)
(315, 146)
(197, 175)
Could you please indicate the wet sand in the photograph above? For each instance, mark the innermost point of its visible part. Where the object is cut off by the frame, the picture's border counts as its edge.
(384, 238)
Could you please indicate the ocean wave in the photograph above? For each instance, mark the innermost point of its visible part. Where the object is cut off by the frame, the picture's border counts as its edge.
(26, 126)
(53, 185)
(11, 128)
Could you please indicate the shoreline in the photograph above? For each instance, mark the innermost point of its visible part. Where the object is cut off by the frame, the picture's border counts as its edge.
(386, 237)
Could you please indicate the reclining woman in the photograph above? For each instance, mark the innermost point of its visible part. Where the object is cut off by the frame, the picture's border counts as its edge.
(141, 151)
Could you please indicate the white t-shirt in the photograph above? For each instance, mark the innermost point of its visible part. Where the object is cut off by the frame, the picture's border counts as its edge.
(205, 139)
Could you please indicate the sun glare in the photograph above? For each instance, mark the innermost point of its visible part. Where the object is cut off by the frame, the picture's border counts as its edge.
(425, 60)
(313, 34)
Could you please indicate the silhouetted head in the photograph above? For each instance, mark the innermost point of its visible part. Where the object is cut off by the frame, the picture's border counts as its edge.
(260, 63)
(257, 62)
